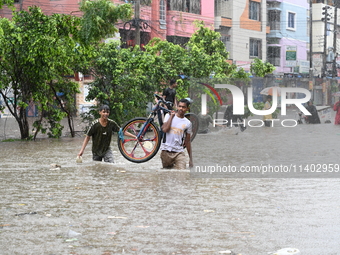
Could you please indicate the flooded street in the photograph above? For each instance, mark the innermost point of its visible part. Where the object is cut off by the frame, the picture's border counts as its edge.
(128, 208)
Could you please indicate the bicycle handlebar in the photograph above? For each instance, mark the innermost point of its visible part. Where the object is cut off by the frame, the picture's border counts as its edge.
(162, 100)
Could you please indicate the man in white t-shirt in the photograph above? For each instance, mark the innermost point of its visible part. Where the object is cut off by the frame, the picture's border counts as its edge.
(177, 130)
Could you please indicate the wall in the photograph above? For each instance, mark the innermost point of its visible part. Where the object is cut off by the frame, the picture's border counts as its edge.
(241, 32)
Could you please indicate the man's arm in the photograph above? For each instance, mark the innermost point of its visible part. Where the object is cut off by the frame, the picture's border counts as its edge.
(167, 125)
(175, 102)
(187, 143)
(164, 94)
(117, 128)
(129, 134)
(86, 140)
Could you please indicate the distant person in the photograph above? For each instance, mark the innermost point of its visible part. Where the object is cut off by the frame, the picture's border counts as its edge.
(267, 106)
(203, 123)
(336, 108)
(177, 131)
(101, 131)
(314, 118)
(169, 94)
(233, 119)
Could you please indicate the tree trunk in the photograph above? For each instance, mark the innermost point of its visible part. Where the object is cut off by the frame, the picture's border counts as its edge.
(68, 112)
(23, 124)
(71, 124)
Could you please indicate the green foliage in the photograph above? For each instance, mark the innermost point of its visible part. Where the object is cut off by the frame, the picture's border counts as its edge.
(260, 68)
(99, 17)
(167, 60)
(121, 81)
(127, 78)
(9, 3)
(37, 54)
(207, 53)
(33, 42)
(203, 57)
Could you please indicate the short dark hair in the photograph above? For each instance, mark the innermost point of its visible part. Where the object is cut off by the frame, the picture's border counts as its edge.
(104, 107)
(186, 101)
(172, 82)
(269, 97)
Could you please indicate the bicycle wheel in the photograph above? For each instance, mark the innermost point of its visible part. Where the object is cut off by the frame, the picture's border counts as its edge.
(194, 121)
(144, 149)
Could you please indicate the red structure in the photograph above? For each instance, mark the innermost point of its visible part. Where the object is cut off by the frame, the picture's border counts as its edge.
(167, 19)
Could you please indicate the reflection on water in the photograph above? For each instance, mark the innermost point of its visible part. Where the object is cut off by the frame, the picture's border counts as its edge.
(142, 209)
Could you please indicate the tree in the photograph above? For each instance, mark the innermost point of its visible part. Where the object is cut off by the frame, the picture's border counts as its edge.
(6, 2)
(169, 61)
(260, 68)
(38, 52)
(121, 81)
(99, 18)
(208, 63)
(29, 48)
(127, 78)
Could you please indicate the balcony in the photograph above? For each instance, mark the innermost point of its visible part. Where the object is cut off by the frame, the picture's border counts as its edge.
(274, 25)
(182, 23)
(223, 22)
(275, 61)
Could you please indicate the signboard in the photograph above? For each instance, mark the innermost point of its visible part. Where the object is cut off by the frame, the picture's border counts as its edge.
(290, 63)
(290, 52)
(304, 66)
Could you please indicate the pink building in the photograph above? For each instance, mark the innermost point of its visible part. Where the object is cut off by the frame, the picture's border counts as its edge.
(167, 19)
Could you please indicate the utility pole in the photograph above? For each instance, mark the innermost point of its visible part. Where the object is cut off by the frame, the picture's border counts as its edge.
(325, 19)
(137, 20)
(310, 44)
(334, 72)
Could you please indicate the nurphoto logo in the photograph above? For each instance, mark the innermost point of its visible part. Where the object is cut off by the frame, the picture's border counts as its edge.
(238, 104)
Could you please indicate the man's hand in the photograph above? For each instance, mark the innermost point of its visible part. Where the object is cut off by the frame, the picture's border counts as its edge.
(191, 164)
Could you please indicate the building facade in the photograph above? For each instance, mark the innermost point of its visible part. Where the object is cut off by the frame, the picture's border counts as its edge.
(288, 40)
(243, 26)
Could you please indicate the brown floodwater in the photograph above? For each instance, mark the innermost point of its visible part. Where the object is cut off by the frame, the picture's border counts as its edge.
(128, 208)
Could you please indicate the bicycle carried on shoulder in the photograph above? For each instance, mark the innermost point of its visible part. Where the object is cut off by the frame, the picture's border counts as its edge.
(149, 134)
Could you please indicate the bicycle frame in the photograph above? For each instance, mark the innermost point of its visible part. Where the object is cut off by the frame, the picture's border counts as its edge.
(155, 111)
(148, 134)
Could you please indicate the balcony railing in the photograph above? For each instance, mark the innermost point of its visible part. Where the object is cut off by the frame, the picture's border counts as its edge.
(274, 25)
(274, 61)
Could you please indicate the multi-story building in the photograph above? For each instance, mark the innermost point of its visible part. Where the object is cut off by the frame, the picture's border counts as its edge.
(243, 26)
(288, 40)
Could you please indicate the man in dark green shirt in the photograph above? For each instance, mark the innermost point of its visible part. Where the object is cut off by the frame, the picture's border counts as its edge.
(101, 131)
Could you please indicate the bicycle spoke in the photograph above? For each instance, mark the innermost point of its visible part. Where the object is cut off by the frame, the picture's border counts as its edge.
(145, 147)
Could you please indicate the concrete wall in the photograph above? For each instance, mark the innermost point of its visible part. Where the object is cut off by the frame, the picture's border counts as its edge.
(243, 29)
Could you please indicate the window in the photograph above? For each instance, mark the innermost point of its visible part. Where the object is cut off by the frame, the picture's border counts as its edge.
(191, 6)
(254, 10)
(162, 14)
(162, 11)
(274, 55)
(291, 20)
(274, 19)
(255, 48)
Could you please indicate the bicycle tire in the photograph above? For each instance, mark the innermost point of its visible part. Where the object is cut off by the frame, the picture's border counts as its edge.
(144, 149)
(194, 121)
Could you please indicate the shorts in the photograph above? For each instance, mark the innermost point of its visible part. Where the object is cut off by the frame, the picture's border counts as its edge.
(176, 160)
(267, 123)
(108, 157)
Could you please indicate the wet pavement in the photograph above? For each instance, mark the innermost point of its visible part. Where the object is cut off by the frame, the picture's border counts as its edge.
(128, 208)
